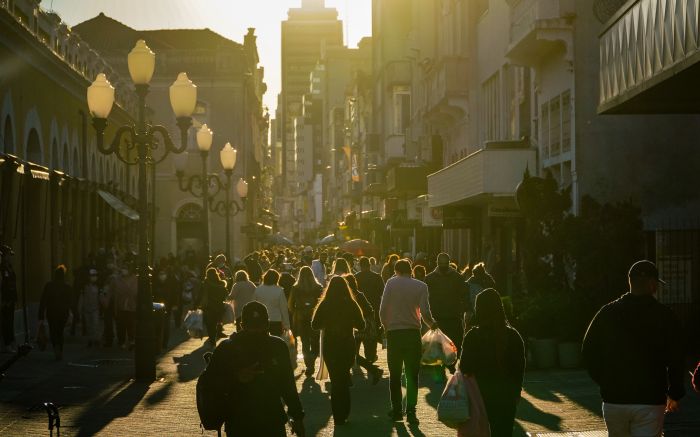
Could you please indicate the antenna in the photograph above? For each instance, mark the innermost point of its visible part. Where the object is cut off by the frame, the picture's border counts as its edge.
(347, 23)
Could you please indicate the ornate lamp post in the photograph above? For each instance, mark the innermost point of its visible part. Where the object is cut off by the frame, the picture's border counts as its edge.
(198, 185)
(183, 97)
(230, 208)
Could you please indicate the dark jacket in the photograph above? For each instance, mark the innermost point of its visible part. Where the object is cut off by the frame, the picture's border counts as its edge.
(8, 293)
(447, 293)
(372, 285)
(261, 401)
(213, 295)
(55, 301)
(302, 302)
(254, 269)
(633, 351)
(500, 378)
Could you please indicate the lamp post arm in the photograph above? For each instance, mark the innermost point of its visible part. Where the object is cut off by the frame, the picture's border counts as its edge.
(215, 185)
(167, 142)
(100, 125)
(190, 184)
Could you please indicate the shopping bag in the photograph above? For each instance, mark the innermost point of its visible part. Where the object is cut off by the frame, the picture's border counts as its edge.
(478, 423)
(194, 323)
(453, 408)
(229, 316)
(42, 337)
(322, 372)
(438, 349)
(288, 338)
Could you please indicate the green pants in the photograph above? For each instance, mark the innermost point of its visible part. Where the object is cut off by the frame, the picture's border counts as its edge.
(403, 355)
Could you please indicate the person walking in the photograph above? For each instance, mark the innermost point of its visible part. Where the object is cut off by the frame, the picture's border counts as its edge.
(272, 296)
(373, 371)
(372, 285)
(241, 293)
(404, 303)
(493, 352)
(318, 266)
(256, 380)
(419, 272)
(55, 308)
(125, 288)
(448, 292)
(303, 298)
(633, 350)
(338, 314)
(479, 281)
(212, 303)
(8, 299)
(388, 267)
(90, 308)
(252, 263)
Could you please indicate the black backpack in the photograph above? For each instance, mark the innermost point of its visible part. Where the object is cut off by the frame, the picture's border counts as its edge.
(211, 397)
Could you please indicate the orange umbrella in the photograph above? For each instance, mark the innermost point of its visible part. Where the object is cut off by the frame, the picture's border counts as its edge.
(360, 247)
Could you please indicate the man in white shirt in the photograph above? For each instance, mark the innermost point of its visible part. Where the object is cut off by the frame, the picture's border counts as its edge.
(318, 266)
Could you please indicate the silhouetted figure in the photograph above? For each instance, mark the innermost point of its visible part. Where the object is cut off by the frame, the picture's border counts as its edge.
(55, 307)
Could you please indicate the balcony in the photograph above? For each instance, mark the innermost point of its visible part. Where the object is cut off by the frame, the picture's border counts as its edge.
(448, 89)
(650, 58)
(494, 171)
(397, 73)
(539, 27)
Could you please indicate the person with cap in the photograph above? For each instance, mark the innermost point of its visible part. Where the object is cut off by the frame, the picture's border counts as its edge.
(257, 379)
(633, 350)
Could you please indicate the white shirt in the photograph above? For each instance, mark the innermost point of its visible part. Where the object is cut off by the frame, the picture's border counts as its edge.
(272, 296)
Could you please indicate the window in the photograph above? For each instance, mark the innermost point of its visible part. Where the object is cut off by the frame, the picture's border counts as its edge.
(544, 132)
(555, 132)
(555, 126)
(566, 121)
(402, 109)
(491, 108)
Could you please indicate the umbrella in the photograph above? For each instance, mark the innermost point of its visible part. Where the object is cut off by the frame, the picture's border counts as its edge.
(359, 247)
(328, 239)
(279, 240)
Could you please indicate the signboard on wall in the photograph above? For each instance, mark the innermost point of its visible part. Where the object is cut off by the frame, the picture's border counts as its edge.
(432, 217)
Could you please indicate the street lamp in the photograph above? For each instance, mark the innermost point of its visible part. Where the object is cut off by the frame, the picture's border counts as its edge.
(198, 184)
(100, 98)
(229, 208)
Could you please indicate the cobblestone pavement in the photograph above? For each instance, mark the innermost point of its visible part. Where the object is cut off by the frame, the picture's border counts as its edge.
(95, 395)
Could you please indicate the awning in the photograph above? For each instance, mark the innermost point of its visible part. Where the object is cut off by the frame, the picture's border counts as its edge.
(119, 206)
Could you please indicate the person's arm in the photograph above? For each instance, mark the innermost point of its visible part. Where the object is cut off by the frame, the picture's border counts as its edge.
(359, 318)
(289, 388)
(425, 312)
(676, 364)
(284, 310)
(592, 348)
(467, 364)
(696, 378)
(384, 306)
(292, 299)
(516, 362)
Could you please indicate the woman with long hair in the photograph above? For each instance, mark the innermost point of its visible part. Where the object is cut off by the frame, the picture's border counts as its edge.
(241, 293)
(368, 313)
(303, 299)
(388, 268)
(340, 267)
(214, 291)
(270, 294)
(493, 352)
(338, 315)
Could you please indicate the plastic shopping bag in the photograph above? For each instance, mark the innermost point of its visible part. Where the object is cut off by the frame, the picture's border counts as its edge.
(194, 323)
(438, 349)
(229, 316)
(453, 408)
(478, 423)
(288, 338)
(322, 372)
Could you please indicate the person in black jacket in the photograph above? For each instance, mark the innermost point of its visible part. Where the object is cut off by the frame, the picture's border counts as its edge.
(55, 307)
(214, 291)
(493, 352)
(372, 285)
(447, 292)
(303, 299)
(633, 351)
(372, 369)
(338, 314)
(257, 379)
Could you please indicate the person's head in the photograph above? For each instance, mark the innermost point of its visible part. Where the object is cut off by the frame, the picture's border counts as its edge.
(220, 260)
(323, 257)
(306, 277)
(349, 257)
(59, 273)
(254, 318)
(352, 283)
(391, 260)
(488, 310)
(419, 272)
(337, 292)
(402, 267)
(241, 276)
(372, 261)
(364, 264)
(443, 262)
(93, 276)
(644, 278)
(271, 277)
(340, 266)
(212, 275)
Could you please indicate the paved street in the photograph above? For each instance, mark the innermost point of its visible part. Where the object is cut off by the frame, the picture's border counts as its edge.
(95, 395)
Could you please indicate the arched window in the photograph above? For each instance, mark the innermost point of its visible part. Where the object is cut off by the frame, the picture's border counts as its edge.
(66, 159)
(8, 139)
(54, 155)
(33, 147)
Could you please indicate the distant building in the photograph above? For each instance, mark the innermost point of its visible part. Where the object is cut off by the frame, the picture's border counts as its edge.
(229, 91)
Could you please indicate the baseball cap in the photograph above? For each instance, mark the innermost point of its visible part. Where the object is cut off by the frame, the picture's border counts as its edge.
(645, 269)
(254, 315)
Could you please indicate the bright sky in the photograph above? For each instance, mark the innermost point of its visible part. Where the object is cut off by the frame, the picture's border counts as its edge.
(230, 18)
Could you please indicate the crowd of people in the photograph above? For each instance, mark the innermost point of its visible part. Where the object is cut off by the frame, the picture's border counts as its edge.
(339, 308)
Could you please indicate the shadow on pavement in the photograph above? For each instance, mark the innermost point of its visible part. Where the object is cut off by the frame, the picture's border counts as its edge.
(160, 394)
(107, 408)
(311, 394)
(530, 413)
(432, 378)
(191, 365)
(573, 385)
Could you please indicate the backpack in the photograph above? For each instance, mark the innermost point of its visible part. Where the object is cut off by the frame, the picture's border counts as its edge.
(211, 399)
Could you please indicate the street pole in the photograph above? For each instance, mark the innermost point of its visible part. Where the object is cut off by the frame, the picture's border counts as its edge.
(228, 214)
(144, 351)
(205, 206)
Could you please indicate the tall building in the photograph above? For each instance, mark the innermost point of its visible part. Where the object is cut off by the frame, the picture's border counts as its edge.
(305, 34)
(230, 87)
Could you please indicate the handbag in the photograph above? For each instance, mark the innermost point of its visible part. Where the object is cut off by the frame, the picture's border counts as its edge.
(322, 372)
(478, 423)
(453, 408)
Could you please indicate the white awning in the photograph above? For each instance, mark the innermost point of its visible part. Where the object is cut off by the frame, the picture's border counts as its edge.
(119, 206)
